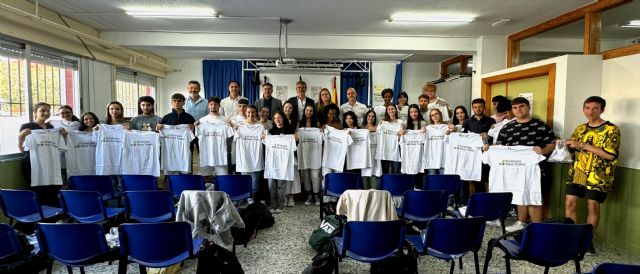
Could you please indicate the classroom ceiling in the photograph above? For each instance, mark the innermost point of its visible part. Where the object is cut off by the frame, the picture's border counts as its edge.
(315, 17)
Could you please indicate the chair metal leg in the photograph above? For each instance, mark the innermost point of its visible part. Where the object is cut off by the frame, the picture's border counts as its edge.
(69, 270)
(504, 231)
(460, 260)
(321, 206)
(50, 267)
(578, 266)
(507, 265)
(234, 248)
(546, 270)
(143, 269)
(453, 266)
(82, 270)
(488, 256)
(122, 266)
(475, 259)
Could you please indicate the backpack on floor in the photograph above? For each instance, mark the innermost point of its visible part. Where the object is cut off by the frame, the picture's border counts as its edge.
(214, 259)
(322, 263)
(256, 216)
(406, 262)
(330, 226)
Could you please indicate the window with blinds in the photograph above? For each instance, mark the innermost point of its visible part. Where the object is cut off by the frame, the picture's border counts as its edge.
(131, 85)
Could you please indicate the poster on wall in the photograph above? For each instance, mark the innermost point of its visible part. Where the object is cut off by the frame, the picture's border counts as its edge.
(528, 96)
(377, 95)
(282, 93)
(313, 92)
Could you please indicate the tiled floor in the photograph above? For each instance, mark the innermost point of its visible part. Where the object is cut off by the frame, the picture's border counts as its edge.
(283, 248)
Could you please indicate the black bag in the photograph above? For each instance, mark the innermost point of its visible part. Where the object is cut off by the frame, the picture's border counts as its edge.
(320, 239)
(255, 216)
(405, 262)
(214, 259)
(322, 263)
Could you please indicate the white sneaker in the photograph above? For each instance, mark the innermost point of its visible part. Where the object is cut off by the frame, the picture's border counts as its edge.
(263, 202)
(272, 211)
(518, 225)
(279, 210)
(249, 200)
(493, 223)
(308, 201)
(291, 201)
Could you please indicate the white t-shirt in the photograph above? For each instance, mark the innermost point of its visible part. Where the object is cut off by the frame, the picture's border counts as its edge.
(515, 169)
(309, 148)
(176, 153)
(376, 167)
(380, 110)
(403, 113)
(279, 158)
(388, 141)
(109, 140)
(237, 120)
(248, 148)
(68, 126)
(358, 155)
(211, 119)
(359, 109)
(412, 147)
(434, 147)
(335, 148)
(440, 104)
(81, 153)
(212, 143)
(463, 156)
(141, 155)
(229, 107)
(495, 130)
(44, 146)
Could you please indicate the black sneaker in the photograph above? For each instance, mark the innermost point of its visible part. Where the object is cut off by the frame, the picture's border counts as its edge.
(591, 250)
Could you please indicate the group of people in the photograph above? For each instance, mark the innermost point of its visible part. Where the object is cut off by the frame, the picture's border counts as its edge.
(311, 122)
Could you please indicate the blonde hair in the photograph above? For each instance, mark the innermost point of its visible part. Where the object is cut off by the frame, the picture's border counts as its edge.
(431, 119)
(320, 97)
(429, 85)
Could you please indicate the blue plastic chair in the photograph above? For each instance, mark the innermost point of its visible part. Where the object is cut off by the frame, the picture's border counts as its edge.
(423, 205)
(450, 183)
(546, 244)
(86, 206)
(9, 245)
(451, 239)
(370, 242)
(149, 206)
(336, 183)
(99, 183)
(397, 184)
(490, 205)
(155, 245)
(176, 184)
(138, 182)
(23, 206)
(611, 268)
(74, 245)
(238, 187)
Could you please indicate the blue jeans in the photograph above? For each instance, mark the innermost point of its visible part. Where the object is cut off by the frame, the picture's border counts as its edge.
(255, 180)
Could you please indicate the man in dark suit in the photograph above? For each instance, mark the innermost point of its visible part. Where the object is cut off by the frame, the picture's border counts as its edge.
(300, 101)
(274, 104)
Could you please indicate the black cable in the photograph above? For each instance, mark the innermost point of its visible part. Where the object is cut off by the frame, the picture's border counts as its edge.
(81, 41)
(280, 41)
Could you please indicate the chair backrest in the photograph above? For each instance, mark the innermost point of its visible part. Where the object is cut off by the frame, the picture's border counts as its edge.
(455, 236)
(448, 182)
(336, 183)
(139, 182)
(606, 268)
(84, 206)
(372, 241)
(20, 203)
(72, 244)
(9, 244)
(149, 206)
(424, 205)
(238, 187)
(178, 183)
(99, 183)
(554, 244)
(156, 245)
(397, 184)
(490, 205)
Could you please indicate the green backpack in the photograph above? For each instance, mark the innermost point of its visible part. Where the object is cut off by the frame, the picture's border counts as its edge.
(320, 239)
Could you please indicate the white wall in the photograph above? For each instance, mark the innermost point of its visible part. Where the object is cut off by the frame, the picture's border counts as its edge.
(620, 82)
(415, 75)
(96, 86)
(177, 81)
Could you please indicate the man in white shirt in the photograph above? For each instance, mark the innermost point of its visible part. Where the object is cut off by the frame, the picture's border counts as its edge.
(229, 105)
(239, 118)
(195, 104)
(437, 102)
(497, 115)
(300, 101)
(353, 105)
(214, 112)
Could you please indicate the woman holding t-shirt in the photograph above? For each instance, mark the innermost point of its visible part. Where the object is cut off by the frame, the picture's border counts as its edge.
(388, 141)
(310, 177)
(281, 191)
(436, 132)
(47, 194)
(252, 119)
(370, 175)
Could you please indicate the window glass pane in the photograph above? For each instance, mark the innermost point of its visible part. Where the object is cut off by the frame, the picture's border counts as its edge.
(566, 39)
(130, 86)
(613, 33)
(13, 108)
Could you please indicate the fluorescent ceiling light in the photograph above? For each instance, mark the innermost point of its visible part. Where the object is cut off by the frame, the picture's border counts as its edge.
(183, 13)
(431, 19)
(632, 24)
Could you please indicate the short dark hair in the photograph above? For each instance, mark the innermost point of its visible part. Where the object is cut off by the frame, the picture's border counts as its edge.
(267, 84)
(519, 101)
(423, 96)
(243, 101)
(147, 99)
(233, 81)
(302, 83)
(83, 126)
(177, 96)
(385, 91)
(364, 117)
(498, 98)
(194, 82)
(478, 101)
(596, 99)
(214, 99)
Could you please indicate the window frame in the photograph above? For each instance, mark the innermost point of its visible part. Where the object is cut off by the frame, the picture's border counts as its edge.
(137, 76)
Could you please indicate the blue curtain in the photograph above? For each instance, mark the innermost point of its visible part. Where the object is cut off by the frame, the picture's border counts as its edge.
(217, 74)
(357, 80)
(397, 82)
(251, 89)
